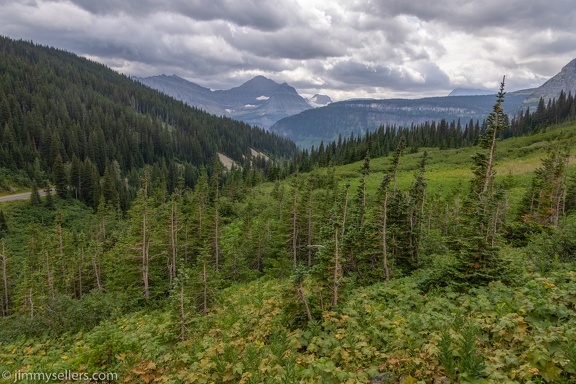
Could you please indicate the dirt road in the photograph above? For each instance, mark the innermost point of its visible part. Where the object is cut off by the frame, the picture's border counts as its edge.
(19, 196)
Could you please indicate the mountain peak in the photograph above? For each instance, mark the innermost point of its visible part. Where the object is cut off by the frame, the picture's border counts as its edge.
(259, 101)
(319, 100)
(565, 80)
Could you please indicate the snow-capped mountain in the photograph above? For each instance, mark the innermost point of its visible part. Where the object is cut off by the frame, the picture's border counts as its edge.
(260, 101)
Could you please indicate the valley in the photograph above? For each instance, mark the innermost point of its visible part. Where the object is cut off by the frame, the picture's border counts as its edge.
(183, 246)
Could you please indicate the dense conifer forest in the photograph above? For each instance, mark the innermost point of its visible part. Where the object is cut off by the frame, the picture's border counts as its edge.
(406, 256)
(56, 107)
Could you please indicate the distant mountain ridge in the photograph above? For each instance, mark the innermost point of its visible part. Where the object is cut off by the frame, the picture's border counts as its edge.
(359, 116)
(279, 107)
(259, 101)
(319, 100)
(471, 92)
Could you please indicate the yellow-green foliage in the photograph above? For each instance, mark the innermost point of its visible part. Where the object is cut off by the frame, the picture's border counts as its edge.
(516, 159)
(389, 331)
(393, 332)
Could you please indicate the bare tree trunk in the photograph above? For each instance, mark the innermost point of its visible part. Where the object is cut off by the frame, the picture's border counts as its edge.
(490, 160)
(145, 255)
(294, 230)
(31, 301)
(410, 238)
(497, 125)
(216, 236)
(96, 267)
(204, 289)
(173, 242)
(50, 278)
(561, 194)
(363, 201)
(337, 269)
(60, 241)
(80, 273)
(384, 235)
(495, 226)
(564, 182)
(305, 301)
(345, 210)
(3, 257)
(259, 255)
(182, 314)
(103, 226)
(186, 245)
(310, 229)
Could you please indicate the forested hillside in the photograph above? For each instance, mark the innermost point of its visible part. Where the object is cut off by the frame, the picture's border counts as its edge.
(423, 264)
(441, 134)
(55, 106)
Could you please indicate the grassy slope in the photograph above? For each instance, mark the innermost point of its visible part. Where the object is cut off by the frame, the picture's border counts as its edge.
(516, 159)
(386, 332)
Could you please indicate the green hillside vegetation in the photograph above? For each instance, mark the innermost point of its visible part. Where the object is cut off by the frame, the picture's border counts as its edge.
(426, 265)
(58, 107)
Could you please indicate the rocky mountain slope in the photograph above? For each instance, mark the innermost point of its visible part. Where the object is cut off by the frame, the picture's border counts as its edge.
(564, 80)
(279, 108)
(260, 101)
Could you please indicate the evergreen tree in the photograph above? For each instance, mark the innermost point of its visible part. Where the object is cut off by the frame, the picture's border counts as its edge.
(90, 184)
(75, 177)
(477, 259)
(215, 194)
(329, 271)
(49, 201)
(205, 281)
(183, 303)
(545, 200)
(35, 199)
(109, 188)
(3, 225)
(59, 177)
(234, 252)
(386, 195)
(417, 197)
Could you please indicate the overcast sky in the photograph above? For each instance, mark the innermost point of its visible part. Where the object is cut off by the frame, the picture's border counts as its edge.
(342, 48)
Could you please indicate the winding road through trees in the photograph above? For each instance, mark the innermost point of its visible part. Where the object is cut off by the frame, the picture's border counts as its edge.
(19, 196)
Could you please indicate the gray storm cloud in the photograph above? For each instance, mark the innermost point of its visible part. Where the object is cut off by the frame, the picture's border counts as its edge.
(376, 48)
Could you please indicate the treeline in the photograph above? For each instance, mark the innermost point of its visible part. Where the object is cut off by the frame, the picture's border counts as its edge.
(67, 268)
(53, 103)
(436, 134)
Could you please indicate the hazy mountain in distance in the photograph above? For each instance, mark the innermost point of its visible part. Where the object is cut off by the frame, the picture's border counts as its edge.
(359, 116)
(260, 101)
(319, 100)
(184, 90)
(472, 92)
